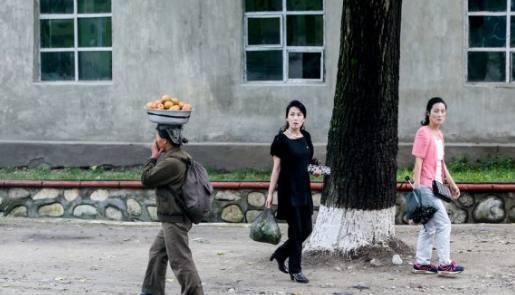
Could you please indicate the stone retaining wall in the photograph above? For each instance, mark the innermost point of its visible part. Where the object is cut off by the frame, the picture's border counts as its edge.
(230, 205)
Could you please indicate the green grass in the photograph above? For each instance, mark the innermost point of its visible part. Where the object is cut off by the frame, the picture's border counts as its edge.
(132, 173)
(70, 173)
(484, 170)
(490, 169)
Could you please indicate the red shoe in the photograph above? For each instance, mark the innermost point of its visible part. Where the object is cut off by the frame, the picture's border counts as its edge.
(450, 270)
(424, 269)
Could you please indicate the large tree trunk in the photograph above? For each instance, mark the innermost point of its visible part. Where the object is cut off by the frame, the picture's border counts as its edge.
(358, 199)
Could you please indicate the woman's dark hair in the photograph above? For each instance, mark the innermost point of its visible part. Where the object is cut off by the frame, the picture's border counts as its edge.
(432, 101)
(300, 106)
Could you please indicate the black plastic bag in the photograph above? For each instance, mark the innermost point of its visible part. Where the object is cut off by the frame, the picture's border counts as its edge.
(420, 205)
(265, 228)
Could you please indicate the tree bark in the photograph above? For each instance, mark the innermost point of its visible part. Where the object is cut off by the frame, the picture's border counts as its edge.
(358, 199)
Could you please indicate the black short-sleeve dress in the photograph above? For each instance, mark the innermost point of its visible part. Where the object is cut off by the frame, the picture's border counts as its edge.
(293, 185)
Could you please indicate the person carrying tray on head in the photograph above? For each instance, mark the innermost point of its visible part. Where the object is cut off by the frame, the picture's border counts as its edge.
(165, 171)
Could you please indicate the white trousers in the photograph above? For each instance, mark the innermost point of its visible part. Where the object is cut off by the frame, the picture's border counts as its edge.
(439, 228)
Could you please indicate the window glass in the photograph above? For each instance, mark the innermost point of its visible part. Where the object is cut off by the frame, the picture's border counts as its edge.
(56, 33)
(57, 66)
(262, 31)
(487, 5)
(284, 40)
(304, 5)
(95, 32)
(66, 50)
(265, 65)
(56, 6)
(94, 6)
(305, 30)
(486, 66)
(512, 28)
(512, 66)
(95, 65)
(304, 65)
(263, 5)
(487, 31)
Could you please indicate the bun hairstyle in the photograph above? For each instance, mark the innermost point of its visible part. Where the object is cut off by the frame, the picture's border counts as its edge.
(432, 101)
(300, 106)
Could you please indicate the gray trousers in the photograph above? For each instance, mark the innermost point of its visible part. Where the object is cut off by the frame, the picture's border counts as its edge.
(171, 244)
(439, 229)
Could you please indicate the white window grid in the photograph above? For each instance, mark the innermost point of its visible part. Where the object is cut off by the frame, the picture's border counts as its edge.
(75, 49)
(283, 14)
(506, 49)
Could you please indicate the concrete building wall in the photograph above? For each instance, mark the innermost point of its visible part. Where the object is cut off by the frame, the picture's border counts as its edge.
(193, 50)
(433, 63)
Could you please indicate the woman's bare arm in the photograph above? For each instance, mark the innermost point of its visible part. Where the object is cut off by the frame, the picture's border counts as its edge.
(417, 170)
(452, 185)
(273, 180)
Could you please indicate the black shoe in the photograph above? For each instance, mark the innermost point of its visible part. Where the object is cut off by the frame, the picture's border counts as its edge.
(280, 262)
(299, 278)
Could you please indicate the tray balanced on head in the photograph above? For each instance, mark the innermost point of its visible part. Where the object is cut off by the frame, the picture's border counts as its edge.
(168, 117)
(168, 110)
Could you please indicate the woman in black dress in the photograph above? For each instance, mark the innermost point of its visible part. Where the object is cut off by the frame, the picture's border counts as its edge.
(292, 152)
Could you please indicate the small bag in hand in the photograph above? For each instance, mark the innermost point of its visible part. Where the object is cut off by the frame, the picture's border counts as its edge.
(265, 228)
(442, 191)
(324, 170)
(420, 206)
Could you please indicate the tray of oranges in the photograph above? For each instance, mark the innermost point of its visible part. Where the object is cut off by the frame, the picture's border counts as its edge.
(168, 110)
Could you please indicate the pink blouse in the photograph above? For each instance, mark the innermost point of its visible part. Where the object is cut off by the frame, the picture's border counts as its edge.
(424, 147)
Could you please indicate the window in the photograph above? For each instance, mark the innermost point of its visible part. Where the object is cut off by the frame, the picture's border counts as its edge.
(491, 41)
(284, 40)
(75, 40)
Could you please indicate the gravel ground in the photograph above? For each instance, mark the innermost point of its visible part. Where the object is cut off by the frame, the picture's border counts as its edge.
(65, 256)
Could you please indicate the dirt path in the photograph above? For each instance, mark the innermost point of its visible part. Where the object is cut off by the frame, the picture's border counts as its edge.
(57, 256)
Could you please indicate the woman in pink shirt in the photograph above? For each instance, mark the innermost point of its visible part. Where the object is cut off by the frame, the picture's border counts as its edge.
(428, 149)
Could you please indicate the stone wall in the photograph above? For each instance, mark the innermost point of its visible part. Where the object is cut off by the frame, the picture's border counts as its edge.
(232, 206)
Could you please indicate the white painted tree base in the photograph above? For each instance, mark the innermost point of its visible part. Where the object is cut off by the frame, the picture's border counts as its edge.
(341, 230)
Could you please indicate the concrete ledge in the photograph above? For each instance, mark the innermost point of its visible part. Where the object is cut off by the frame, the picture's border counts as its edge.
(471, 151)
(228, 156)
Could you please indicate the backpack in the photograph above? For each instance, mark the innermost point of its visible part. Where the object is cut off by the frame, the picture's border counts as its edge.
(195, 196)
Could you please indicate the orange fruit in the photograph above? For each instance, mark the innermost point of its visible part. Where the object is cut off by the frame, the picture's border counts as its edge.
(175, 108)
(168, 104)
(165, 98)
(187, 107)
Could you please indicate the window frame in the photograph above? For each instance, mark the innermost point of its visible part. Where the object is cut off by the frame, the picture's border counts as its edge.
(283, 15)
(75, 16)
(507, 50)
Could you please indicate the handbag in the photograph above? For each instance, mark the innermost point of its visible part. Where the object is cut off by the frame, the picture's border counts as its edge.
(324, 170)
(442, 191)
(420, 206)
